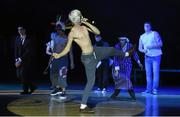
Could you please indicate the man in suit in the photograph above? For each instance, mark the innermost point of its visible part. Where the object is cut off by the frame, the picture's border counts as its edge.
(23, 61)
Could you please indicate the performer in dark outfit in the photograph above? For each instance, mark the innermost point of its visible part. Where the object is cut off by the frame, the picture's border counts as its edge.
(122, 68)
(102, 72)
(23, 61)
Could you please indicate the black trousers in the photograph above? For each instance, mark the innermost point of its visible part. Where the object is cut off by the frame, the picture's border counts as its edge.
(102, 74)
(25, 76)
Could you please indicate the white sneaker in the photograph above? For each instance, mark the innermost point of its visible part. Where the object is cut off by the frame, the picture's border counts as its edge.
(154, 92)
(63, 96)
(56, 91)
(104, 90)
(97, 90)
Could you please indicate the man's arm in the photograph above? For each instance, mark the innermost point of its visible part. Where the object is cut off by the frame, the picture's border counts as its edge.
(16, 48)
(136, 58)
(66, 49)
(91, 27)
(49, 47)
(48, 52)
(116, 59)
(17, 61)
(141, 48)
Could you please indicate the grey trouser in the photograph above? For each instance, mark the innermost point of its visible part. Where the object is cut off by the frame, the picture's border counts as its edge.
(90, 61)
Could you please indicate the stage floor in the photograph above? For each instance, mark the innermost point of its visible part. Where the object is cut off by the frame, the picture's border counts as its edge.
(42, 104)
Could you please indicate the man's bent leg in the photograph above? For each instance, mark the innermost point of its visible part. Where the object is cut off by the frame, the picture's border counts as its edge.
(104, 52)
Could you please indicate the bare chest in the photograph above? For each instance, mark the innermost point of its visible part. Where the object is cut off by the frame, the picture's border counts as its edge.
(80, 32)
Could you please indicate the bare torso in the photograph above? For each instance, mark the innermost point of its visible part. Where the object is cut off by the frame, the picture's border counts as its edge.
(80, 35)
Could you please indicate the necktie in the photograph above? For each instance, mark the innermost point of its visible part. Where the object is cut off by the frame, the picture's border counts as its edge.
(22, 41)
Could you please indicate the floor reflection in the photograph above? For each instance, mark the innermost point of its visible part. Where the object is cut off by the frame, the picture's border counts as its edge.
(151, 105)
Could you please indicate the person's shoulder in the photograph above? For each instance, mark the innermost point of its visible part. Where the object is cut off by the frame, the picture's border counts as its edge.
(71, 33)
(155, 32)
(29, 39)
(72, 30)
(17, 38)
(142, 36)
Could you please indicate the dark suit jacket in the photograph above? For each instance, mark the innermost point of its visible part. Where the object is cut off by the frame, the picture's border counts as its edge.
(24, 51)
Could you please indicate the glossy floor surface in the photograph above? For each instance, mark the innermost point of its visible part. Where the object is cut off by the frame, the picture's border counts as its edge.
(41, 103)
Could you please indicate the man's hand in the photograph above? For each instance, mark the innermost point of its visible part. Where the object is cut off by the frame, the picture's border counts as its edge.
(90, 27)
(116, 73)
(83, 20)
(18, 64)
(99, 63)
(146, 49)
(55, 55)
(131, 51)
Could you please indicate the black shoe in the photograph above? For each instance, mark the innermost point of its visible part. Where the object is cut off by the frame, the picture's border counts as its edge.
(63, 96)
(115, 94)
(86, 110)
(133, 99)
(24, 93)
(33, 88)
(56, 91)
(132, 94)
